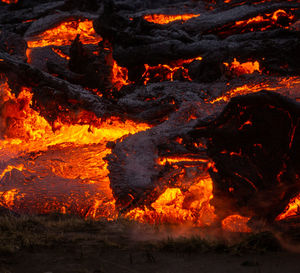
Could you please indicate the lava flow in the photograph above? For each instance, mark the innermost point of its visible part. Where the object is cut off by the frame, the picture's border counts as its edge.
(243, 68)
(283, 84)
(176, 206)
(167, 72)
(65, 33)
(10, 1)
(166, 19)
(293, 209)
(63, 167)
(40, 169)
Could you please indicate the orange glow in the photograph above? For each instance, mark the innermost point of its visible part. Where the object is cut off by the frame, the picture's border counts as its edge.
(279, 12)
(7, 198)
(293, 209)
(243, 68)
(284, 83)
(166, 72)
(9, 168)
(65, 33)
(79, 156)
(60, 53)
(176, 206)
(267, 19)
(164, 160)
(166, 19)
(256, 19)
(58, 151)
(34, 133)
(120, 76)
(10, 1)
(236, 223)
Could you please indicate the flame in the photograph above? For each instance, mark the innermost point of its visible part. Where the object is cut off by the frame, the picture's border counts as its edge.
(176, 206)
(292, 209)
(65, 33)
(166, 19)
(167, 71)
(243, 68)
(236, 223)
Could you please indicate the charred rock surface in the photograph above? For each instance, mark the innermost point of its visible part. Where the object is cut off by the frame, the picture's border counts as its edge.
(255, 146)
(256, 164)
(52, 93)
(135, 177)
(137, 42)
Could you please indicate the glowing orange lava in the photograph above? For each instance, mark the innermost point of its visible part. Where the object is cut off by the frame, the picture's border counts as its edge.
(10, 1)
(8, 198)
(120, 76)
(65, 33)
(284, 83)
(166, 19)
(60, 53)
(166, 72)
(269, 19)
(176, 206)
(164, 160)
(243, 68)
(293, 209)
(236, 223)
(75, 173)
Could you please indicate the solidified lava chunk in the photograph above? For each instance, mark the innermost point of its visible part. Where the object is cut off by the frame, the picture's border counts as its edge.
(255, 144)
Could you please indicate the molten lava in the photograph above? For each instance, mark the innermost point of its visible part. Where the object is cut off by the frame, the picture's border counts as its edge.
(166, 19)
(10, 1)
(166, 72)
(60, 53)
(284, 83)
(65, 33)
(120, 76)
(293, 209)
(264, 22)
(177, 206)
(41, 168)
(243, 68)
(236, 223)
(61, 168)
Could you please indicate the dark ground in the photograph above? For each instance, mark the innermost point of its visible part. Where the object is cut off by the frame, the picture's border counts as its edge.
(64, 244)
